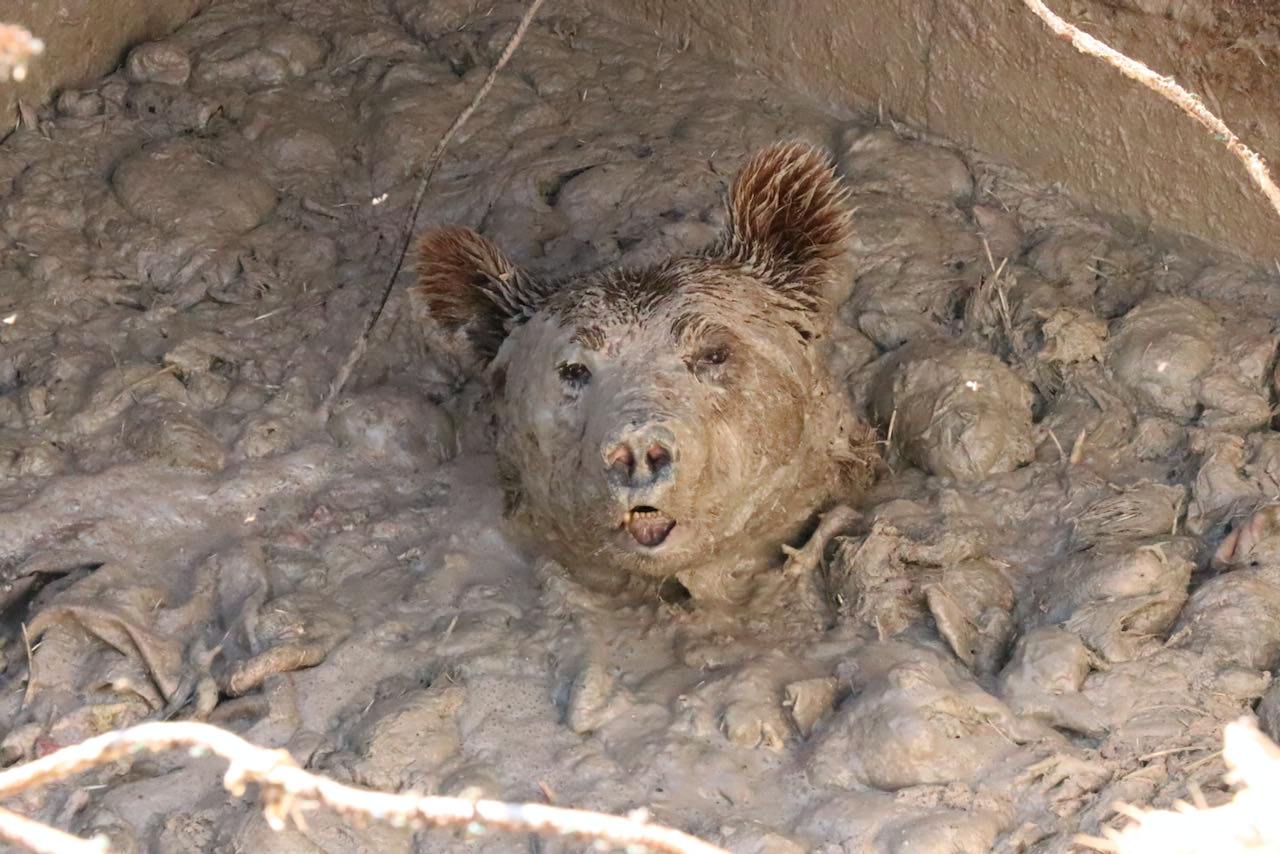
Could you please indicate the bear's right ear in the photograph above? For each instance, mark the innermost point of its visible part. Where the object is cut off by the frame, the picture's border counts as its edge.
(789, 221)
(471, 293)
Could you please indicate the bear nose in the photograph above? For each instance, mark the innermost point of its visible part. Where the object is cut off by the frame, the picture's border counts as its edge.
(640, 458)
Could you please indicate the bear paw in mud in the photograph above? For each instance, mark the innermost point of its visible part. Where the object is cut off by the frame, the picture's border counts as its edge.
(672, 420)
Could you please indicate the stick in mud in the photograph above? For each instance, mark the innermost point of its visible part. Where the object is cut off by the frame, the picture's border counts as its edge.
(362, 342)
(287, 789)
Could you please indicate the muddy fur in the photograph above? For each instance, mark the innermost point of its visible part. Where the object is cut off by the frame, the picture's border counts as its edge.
(697, 387)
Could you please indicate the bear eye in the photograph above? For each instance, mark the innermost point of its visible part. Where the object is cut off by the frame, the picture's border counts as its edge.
(574, 374)
(712, 357)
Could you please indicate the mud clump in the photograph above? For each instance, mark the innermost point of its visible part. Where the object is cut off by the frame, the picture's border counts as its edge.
(955, 412)
(675, 419)
(1044, 678)
(1177, 354)
(158, 183)
(915, 720)
(1117, 596)
(383, 425)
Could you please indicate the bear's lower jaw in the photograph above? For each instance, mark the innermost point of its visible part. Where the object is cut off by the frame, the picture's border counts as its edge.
(648, 526)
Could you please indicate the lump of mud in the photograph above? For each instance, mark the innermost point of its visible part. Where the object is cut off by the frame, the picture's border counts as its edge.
(908, 567)
(1236, 474)
(259, 57)
(173, 437)
(914, 270)
(755, 704)
(158, 183)
(950, 830)
(1072, 335)
(406, 735)
(158, 62)
(1162, 347)
(879, 160)
(955, 412)
(1093, 266)
(1118, 596)
(809, 700)
(383, 424)
(915, 718)
(1044, 678)
(1169, 352)
(1235, 619)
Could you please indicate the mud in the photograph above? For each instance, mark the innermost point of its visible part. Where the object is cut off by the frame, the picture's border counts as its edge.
(1058, 613)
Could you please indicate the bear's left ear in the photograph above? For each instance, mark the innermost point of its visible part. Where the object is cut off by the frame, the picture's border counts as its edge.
(788, 220)
(470, 295)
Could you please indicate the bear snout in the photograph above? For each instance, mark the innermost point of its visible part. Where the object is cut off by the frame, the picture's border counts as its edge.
(639, 461)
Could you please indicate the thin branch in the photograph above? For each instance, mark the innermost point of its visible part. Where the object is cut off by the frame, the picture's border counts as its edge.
(1169, 88)
(362, 342)
(287, 789)
(44, 839)
(1246, 823)
(17, 47)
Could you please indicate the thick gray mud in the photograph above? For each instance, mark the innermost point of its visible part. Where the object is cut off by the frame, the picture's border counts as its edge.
(1059, 592)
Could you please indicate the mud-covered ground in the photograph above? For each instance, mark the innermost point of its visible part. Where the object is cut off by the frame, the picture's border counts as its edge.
(1058, 594)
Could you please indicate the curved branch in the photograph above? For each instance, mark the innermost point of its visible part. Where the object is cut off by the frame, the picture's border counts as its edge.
(1169, 88)
(286, 788)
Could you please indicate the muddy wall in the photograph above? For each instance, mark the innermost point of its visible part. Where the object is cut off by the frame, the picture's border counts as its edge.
(83, 39)
(986, 72)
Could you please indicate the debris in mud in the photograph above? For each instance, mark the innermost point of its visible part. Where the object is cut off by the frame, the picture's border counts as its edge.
(893, 576)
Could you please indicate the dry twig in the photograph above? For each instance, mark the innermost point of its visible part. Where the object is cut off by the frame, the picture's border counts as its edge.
(1247, 823)
(1169, 88)
(17, 47)
(42, 838)
(286, 790)
(362, 342)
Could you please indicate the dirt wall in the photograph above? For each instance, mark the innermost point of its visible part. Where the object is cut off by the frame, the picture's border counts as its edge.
(83, 39)
(989, 73)
(985, 72)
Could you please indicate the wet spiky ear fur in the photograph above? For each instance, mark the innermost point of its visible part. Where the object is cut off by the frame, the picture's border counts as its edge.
(468, 291)
(789, 222)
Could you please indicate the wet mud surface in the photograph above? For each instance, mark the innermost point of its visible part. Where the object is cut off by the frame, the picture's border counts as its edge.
(1065, 583)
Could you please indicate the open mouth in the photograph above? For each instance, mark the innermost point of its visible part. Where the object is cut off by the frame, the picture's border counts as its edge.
(648, 526)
